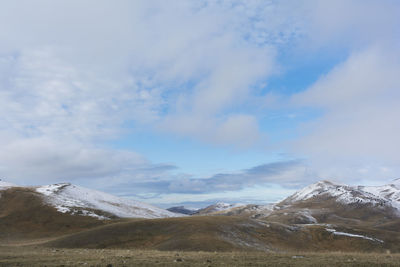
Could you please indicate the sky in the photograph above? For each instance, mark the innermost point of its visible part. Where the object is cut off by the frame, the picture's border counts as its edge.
(193, 102)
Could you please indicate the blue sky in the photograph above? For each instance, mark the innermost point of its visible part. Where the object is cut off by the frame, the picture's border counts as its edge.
(193, 102)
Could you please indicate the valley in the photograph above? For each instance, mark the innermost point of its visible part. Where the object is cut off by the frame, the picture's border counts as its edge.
(321, 219)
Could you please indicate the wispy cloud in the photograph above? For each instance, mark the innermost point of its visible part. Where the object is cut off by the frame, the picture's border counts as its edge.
(288, 174)
(76, 75)
(73, 73)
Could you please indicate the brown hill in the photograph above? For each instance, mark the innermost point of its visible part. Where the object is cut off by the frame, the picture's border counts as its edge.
(225, 233)
(24, 215)
(318, 223)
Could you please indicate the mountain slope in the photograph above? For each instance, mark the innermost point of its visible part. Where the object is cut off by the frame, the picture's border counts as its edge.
(321, 217)
(59, 209)
(24, 215)
(390, 192)
(342, 193)
(249, 210)
(226, 233)
(217, 207)
(326, 202)
(387, 196)
(72, 199)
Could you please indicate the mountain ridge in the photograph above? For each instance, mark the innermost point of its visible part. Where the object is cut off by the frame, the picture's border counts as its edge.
(385, 195)
(314, 218)
(77, 200)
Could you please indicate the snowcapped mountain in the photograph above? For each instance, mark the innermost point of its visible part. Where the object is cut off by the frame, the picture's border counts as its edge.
(386, 195)
(389, 192)
(343, 194)
(72, 199)
(249, 210)
(337, 204)
(317, 198)
(218, 207)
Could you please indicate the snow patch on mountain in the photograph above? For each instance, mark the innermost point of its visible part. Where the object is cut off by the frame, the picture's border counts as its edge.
(306, 215)
(266, 209)
(221, 206)
(333, 231)
(390, 192)
(68, 198)
(343, 193)
(6, 185)
(386, 195)
(218, 208)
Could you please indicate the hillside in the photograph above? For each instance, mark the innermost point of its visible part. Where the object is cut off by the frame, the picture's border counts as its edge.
(73, 199)
(54, 210)
(223, 233)
(24, 215)
(326, 202)
(217, 207)
(321, 217)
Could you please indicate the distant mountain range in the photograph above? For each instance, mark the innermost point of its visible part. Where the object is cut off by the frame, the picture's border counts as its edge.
(182, 210)
(321, 216)
(386, 197)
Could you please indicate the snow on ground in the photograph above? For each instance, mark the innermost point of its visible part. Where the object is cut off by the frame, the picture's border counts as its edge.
(264, 208)
(307, 215)
(344, 194)
(376, 195)
(390, 192)
(333, 231)
(220, 206)
(5, 185)
(312, 191)
(74, 199)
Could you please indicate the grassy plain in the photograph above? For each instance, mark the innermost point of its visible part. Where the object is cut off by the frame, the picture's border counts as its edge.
(38, 256)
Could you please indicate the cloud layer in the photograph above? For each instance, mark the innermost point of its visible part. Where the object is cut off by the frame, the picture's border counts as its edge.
(76, 75)
(360, 100)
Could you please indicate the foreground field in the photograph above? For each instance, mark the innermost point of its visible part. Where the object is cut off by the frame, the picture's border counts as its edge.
(34, 256)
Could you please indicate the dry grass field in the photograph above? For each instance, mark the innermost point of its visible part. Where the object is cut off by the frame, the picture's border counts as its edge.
(224, 234)
(35, 256)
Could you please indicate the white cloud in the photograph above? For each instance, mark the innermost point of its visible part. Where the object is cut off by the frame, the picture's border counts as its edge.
(44, 160)
(100, 64)
(46, 96)
(240, 130)
(360, 126)
(72, 72)
(252, 194)
(351, 23)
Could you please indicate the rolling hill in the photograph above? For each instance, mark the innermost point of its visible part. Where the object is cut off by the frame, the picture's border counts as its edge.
(326, 202)
(54, 210)
(226, 233)
(321, 217)
(73, 199)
